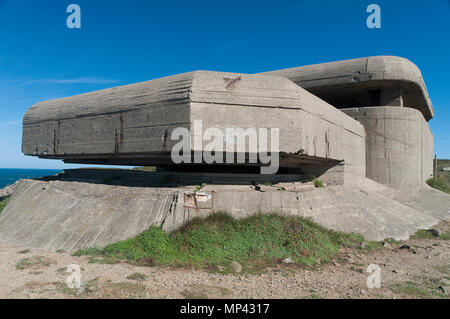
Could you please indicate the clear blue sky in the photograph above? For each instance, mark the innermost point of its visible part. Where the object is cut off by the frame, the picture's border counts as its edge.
(122, 42)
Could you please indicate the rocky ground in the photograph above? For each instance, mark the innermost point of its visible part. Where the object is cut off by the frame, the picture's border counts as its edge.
(418, 268)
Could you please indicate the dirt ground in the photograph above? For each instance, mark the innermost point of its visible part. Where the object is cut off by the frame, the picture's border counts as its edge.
(421, 269)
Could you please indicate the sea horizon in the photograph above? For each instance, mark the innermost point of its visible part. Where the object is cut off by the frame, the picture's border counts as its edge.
(9, 176)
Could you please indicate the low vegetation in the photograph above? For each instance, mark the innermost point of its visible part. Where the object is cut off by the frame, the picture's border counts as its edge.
(138, 276)
(3, 203)
(317, 183)
(409, 288)
(442, 179)
(199, 187)
(35, 262)
(219, 239)
(438, 184)
(431, 234)
(422, 286)
(109, 290)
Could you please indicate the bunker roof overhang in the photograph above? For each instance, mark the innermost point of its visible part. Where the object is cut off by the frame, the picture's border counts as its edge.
(133, 124)
(355, 83)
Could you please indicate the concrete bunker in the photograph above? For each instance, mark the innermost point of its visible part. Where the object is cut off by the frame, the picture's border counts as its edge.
(361, 118)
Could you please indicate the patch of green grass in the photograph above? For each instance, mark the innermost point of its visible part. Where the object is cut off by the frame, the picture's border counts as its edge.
(422, 287)
(392, 241)
(62, 269)
(138, 276)
(108, 260)
(423, 234)
(317, 183)
(88, 287)
(267, 183)
(219, 239)
(432, 284)
(409, 288)
(371, 245)
(439, 184)
(445, 269)
(430, 234)
(3, 203)
(199, 187)
(92, 251)
(34, 262)
(444, 235)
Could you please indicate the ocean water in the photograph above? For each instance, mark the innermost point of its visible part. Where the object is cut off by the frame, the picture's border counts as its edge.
(9, 176)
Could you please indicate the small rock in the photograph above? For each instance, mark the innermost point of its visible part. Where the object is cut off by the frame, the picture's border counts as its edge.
(405, 246)
(287, 261)
(363, 245)
(236, 267)
(349, 259)
(363, 292)
(358, 269)
(387, 246)
(336, 264)
(398, 271)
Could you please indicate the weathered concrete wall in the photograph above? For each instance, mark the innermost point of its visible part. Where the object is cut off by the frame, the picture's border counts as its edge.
(132, 125)
(73, 215)
(427, 153)
(399, 144)
(125, 119)
(307, 124)
(364, 82)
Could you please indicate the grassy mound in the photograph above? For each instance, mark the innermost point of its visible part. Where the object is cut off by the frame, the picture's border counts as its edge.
(3, 203)
(220, 239)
